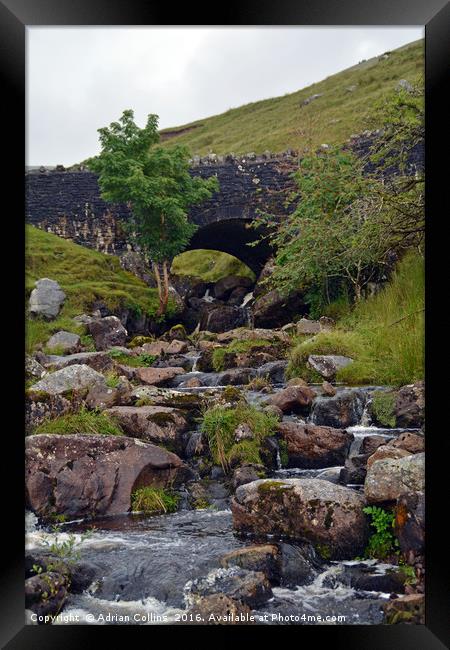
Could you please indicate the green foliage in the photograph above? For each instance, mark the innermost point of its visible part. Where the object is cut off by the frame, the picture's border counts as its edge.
(137, 341)
(382, 542)
(87, 343)
(219, 424)
(135, 361)
(153, 501)
(278, 123)
(236, 347)
(218, 359)
(112, 379)
(209, 265)
(383, 408)
(284, 456)
(155, 182)
(83, 422)
(86, 276)
(63, 546)
(384, 334)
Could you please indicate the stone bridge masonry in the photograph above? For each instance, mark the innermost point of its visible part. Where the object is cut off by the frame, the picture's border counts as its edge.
(68, 204)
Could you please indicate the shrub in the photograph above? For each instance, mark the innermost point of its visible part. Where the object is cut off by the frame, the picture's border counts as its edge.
(112, 379)
(382, 542)
(383, 404)
(153, 501)
(219, 424)
(83, 422)
(135, 361)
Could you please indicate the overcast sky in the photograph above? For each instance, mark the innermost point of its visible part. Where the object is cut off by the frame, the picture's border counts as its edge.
(80, 79)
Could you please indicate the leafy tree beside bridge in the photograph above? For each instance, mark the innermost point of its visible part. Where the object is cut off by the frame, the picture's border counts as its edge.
(156, 185)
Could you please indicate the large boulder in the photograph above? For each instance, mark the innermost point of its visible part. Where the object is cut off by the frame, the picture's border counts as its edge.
(219, 609)
(386, 452)
(410, 522)
(263, 558)
(92, 475)
(410, 406)
(327, 365)
(249, 587)
(293, 399)
(158, 376)
(46, 299)
(273, 370)
(327, 515)
(310, 446)
(64, 342)
(225, 286)
(157, 424)
(343, 410)
(100, 361)
(217, 317)
(274, 309)
(107, 332)
(72, 378)
(389, 479)
(103, 397)
(158, 396)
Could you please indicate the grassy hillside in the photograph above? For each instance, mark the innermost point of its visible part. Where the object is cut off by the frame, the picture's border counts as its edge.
(280, 123)
(384, 334)
(85, 276)
(209, 266)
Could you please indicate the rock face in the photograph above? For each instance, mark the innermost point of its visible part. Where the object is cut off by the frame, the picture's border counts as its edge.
(73, 378)
(410, 406)
(46, 299)
(107, 332)
(310, 446)
(156, 424)
(327, 365)
(67, 342)
(293, 399)
(342, 411)
(389, 479)
(329, 516)
(87, 475)
(158, 376)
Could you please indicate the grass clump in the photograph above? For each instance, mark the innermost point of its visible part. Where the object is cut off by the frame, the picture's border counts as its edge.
(384, 334)
(112, 379)
(154, 501)
(134, 361)
(209, 265)
(382, 407)
(137, 341)
(221, 355)
(219, 424)
(82, 422)
(86, 276)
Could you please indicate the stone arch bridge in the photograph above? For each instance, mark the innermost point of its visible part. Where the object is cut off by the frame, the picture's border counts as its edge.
(68, 204)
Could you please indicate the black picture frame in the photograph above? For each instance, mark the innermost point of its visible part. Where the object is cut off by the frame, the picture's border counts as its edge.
(15, 15)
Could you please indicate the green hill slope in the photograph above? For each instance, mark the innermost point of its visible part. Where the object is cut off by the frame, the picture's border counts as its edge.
(282, 122)
(85, 276)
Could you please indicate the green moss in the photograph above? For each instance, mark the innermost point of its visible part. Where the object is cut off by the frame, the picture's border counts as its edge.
(134, 361)
(277, 487)
(83, 422)
(201, 503)
(284, 456)
(162, 419)
(383, 404)
(153, 501)
(231, 394)
(87, 343)
(223, 357)
(324, 551)
(137, 341)
(209, 265)
(112, 379)
(218, 359)
(245, 452)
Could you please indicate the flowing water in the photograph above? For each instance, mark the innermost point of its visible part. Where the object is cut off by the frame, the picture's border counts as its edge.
(144, 565)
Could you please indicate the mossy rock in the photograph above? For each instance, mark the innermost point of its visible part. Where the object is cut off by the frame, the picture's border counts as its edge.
(137, 341)
(382, 408)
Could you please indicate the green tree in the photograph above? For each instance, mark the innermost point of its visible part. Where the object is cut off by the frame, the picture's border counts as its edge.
(156, 185)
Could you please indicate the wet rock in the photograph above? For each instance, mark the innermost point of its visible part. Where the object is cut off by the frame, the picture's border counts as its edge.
(328, 389)
(294, 399)
(246, 474)
(79, 574)
(107, 332)
(327, 365)
(174, 361)
(329, 516)
(298, 564)
(410, 522)
(262, 558)
(310, 446)
(196, 445)
(274, 370)
(46, 593)
(410, 406)
(177, 347)
(370, 444)
(72, 378)
(99, 361)
(407, 609)
(219, 609)
(208, 492)
(221, 318)
(297, 381)
(237, 296)
(389, 479)
(386, 452)
(412, 442)
(157, 424)
(236, 376)
(158, 396)
(354, 472)
(194, 382)
(102, 397)
(225, 286)
(64, 342)
(273, 309)
(93, 475)
(249, 587)
(158, 376)
(342, 411)
(369, 578)
(46, 299)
